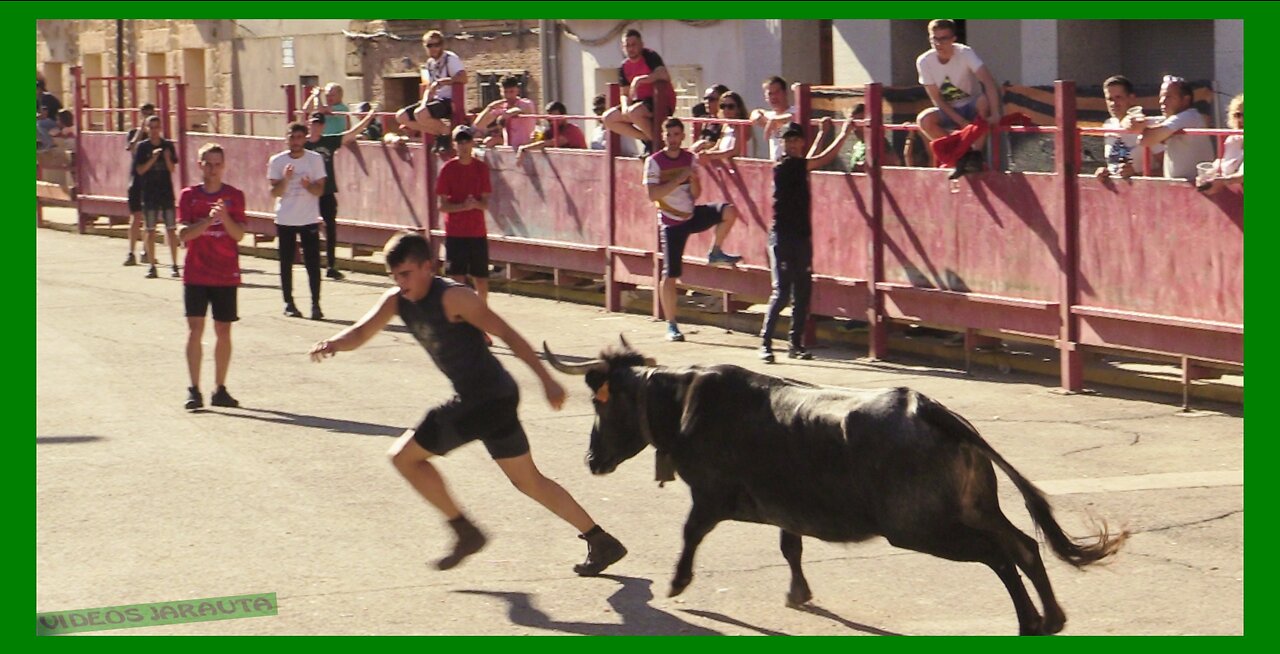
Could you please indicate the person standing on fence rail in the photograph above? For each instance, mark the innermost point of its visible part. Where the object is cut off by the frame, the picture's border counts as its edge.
(154, 161)
(791, 237)
(951, 73)
(448, 320)
(1181, 151)
(297, 180)
(671, 178)
(136, 136)
(327, 146)
(213, 222)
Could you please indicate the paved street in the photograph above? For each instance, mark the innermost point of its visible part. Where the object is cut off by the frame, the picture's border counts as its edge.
(139, 501)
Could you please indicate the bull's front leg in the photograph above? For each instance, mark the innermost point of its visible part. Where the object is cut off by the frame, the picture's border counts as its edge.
(791, 551)
(699, 523)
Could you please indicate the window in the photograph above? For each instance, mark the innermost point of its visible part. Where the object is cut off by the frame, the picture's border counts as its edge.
(286, 52)
(490, 84)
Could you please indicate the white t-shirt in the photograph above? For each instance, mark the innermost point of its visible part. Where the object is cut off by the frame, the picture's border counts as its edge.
(775, 141)
(957, 79)
(446, 65)
(677, 206)
(297, 207)
(1183, 151)
(1232, 155)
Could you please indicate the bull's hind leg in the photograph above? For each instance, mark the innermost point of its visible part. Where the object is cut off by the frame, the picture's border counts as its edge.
(1024, 551)
(791, 551)
(960, 542)
(696, 527)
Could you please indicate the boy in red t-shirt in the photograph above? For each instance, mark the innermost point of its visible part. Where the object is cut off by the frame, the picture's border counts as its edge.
(212, 222)
(463, 188)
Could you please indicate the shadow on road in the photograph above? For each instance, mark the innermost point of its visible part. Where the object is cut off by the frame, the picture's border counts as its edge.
(856, 626)
(315, 422)
(630, 603)
(62, 440)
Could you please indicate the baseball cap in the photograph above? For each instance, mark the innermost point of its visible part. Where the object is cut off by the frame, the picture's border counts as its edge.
(714, 91)
(316, 117)
(464, 133)
(794, 129)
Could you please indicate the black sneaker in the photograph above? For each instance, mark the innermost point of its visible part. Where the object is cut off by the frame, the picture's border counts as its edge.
(194, 401)
(603, 550)
(470, 540)
(334, 274)
(766, 354)
(291, 310)
(151, 274)
(130, 261)
(970, 162)
(175, 272)
(798, 352)
(221, 397)
(142, 257)
(316, 313)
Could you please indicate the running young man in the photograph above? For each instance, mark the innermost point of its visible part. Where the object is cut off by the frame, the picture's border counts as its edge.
(449, 320)
(213, 221)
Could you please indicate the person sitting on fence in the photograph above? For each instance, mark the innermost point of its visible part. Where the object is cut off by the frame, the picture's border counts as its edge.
(776, 118)
(557, 133)
(733, 139)
(374, 131)
(1228, 170)
(519, 129)
(1181, 151)
(443, 69)
(951, 73)
(641, 68)
(671, 178)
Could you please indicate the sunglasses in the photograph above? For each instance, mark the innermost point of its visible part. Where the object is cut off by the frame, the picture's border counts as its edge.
(1172, 79)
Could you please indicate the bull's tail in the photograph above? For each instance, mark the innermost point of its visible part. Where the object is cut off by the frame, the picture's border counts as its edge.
(1076, 551)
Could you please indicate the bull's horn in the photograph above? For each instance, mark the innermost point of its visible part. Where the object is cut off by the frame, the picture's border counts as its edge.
(569, 368)
(624, 342)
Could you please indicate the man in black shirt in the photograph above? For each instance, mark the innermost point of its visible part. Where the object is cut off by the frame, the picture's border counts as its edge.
(327, 146)
(449, 320)
(154, 160)
(136, 136)
(791, 238)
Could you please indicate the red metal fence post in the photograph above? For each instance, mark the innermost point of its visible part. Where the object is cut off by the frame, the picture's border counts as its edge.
(290, 104)
(877, 337)
(183, 173)
(1067, 160)
(612, 291)
(804, 111)
(78, 98)
(163, 107)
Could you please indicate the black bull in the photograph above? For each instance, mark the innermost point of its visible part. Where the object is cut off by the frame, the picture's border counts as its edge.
(834, 464)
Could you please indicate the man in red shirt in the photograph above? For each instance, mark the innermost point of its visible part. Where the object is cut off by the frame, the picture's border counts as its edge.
(463, 188)
(638, 72)
(212, 223)
(559, 133)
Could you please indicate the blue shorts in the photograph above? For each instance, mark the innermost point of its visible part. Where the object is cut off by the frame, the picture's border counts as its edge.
(969, 110)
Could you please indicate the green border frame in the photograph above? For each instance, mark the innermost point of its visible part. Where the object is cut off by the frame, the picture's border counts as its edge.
(23, 259)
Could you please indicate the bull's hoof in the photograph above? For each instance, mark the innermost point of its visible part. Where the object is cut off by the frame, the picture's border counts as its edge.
(678, 586)
(1032, 628)
(1053, 624)
(798, 598)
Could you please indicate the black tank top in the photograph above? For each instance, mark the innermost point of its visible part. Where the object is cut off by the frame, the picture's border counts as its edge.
(457, 348)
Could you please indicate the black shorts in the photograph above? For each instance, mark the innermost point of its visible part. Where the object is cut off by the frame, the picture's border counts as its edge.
(648, 103)
(198, 299)
(438, 109)
(467, 256)
(705, 216)
(495, 422)
(135, 198)
(329, 207)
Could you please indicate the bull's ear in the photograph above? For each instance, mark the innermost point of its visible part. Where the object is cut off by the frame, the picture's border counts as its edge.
(650, 361)
(602, 393)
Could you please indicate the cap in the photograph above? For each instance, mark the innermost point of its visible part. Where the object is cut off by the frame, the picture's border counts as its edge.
(714, 91)
(316, 117)
(794, 129)
(463, 132)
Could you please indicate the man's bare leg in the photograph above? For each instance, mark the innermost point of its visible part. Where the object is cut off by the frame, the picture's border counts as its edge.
(526, 477)
(617, 121)
(410, 459)
(195, 331)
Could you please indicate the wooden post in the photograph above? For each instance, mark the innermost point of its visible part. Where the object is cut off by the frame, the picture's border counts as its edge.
(877, 335)
(1067, 167)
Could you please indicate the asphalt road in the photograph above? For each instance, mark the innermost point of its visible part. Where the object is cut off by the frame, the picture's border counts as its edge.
(140, 501)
